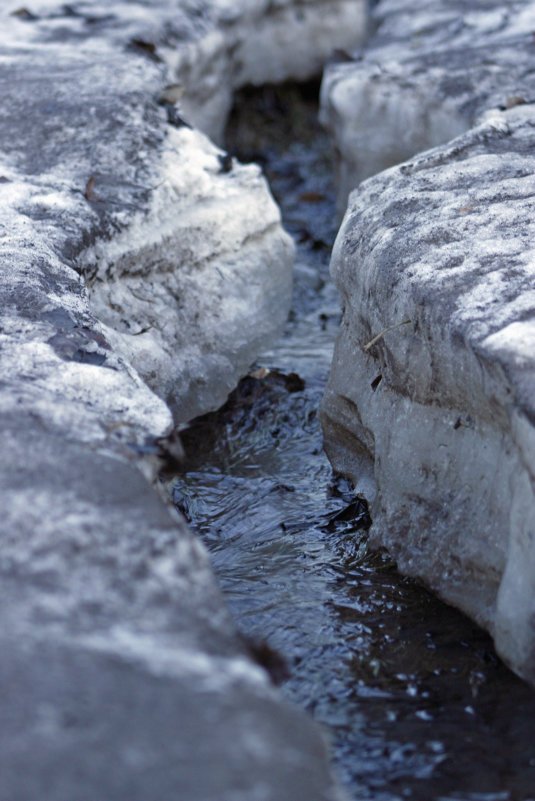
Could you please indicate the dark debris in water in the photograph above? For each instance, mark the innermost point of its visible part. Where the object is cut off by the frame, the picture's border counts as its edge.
(267, 657)
(166, 452)
(259, 395)
(356, 513)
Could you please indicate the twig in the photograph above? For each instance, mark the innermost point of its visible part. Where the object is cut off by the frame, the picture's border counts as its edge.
(372, 342)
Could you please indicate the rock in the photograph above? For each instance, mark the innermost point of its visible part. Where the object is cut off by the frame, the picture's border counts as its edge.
(430, 406)
(430, 72)
(193, 289)
(215, 284)
(140, 271)
(257, 42)
(188, 267)
(123, 676)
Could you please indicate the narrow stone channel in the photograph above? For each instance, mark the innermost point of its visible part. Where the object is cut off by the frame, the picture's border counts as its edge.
(410, 693)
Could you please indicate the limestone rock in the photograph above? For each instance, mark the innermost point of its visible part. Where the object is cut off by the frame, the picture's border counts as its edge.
(188, 266)
(430, 405)
(193, 289)
(123, 674)
(191, 270)
(429, 73)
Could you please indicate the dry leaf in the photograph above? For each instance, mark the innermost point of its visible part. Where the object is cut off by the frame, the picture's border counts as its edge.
(89, 187)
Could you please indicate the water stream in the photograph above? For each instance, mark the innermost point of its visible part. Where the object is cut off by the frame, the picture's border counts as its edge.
(412, 697)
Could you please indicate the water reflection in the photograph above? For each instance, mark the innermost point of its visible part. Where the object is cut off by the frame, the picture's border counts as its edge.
(413, 698)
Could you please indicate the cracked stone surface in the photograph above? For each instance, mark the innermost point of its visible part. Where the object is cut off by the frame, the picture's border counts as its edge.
(429, 406)
(141, 273)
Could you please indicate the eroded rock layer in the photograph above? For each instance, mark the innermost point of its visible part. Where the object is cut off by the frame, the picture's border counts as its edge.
(429, 405)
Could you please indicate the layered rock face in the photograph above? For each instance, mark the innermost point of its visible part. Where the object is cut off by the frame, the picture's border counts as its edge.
(430, 403)
(141, 274)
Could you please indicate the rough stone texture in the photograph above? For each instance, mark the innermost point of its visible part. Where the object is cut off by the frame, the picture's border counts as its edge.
(196, 277)
(192, 332)
(123, 675)
(429, 73)
(121, 671)
(435, 421)
(188, 266)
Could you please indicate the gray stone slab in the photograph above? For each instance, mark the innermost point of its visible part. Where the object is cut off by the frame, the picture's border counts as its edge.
(188, 267)
(98, 726)
(430, 404)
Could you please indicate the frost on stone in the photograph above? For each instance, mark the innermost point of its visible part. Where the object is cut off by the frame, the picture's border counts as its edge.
(187, 264)
(257, 42)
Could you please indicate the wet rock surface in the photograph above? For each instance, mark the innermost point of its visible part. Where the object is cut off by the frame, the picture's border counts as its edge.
(126, 676)
(429, 401)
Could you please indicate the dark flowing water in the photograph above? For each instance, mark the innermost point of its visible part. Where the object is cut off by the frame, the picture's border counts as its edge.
(410, 693)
